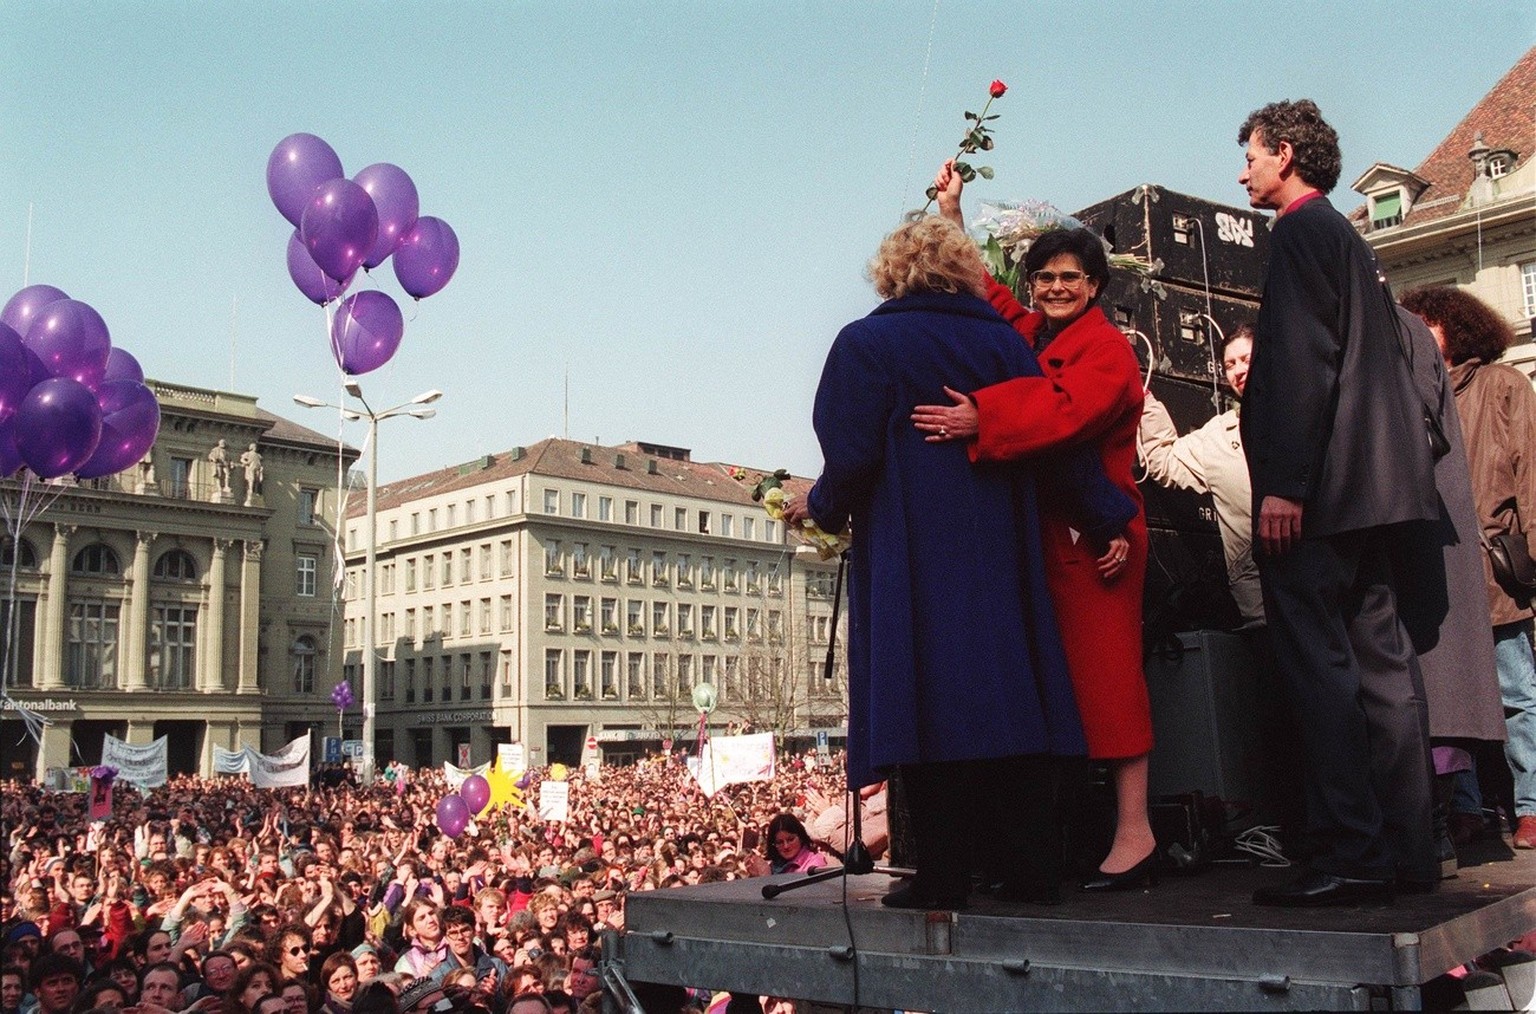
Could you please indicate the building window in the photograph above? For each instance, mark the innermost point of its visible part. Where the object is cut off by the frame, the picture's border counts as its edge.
(684, 619)
(172, 648)
(506, 557)
(92, 656)
(447, 572)
(416, 524)
(727, 524)
(306, 571)
(387, 680)
(775, 581)
(661, 616)
(608, 563)
(659, 569)
(303, 652)
(680, 518)
(469, 512)
(429, 679)
(485, 675)
(609, 616)
(775, 625)
(581, 563)
(656, 515)
(180, 484)
(707, 573)
(309, 506)
(660, 672)
(728, 576)
(754, 580)
(631, 512)
(432, 519)
(820, 584)
(707, 668)
(684, 675)
(1528, 286)
(732, 623)
(1387, 210)
(485, 616)
(608, 676)
(703, 522)
(554, 612)
(452, 515)
(410, 575)
(581, 614)
(634, 618)
(554, 562)
(731, 685)
(551, 501)
(410, 625)
(9, 557)
(177, 565)
(633, 572)
(684, 570)
(770, 531)
(749, 528)
(707, 629)
(466, 566)
(410, 681)
(506, 612)
(578, 505)
(428, 623)
(512, 498)
(554, 674)
(634, 675)
(754, 625)
(464, 676)
(605, 508)
(447, 619)
(485, 562)
(95, 560)
(428, 571)
(581, 675)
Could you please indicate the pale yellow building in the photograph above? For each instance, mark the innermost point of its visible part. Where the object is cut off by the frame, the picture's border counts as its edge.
(190, 596)
(566, 591)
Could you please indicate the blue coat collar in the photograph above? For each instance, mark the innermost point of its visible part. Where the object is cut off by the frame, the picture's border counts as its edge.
(939, 302)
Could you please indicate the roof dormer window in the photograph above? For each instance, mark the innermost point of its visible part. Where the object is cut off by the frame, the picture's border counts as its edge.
(1499, 163)
(1387, 209)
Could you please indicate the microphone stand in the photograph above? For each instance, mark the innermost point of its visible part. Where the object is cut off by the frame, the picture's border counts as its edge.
(857, 859)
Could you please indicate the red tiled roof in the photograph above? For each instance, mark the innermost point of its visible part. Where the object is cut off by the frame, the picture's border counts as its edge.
(564, 459)
(1505, 119)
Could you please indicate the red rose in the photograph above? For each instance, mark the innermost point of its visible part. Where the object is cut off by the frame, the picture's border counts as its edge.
(997, 89)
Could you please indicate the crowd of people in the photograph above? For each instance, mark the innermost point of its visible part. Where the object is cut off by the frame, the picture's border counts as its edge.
(214, 897)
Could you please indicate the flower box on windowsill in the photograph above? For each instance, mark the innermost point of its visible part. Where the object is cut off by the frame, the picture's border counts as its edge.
(636, 630)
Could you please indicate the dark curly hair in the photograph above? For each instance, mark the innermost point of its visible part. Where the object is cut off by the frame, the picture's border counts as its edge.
(1471, 328)
(1314, 144)
(1084, 244)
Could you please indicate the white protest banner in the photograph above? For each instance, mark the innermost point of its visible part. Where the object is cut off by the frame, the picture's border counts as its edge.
(512, 757)
(555, 801)
(285, 768)
(729, 760)
(455, 775)
(144, 766)
(231, 762)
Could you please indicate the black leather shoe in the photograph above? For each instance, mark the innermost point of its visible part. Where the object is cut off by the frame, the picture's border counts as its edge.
(1316, 889)
(1145, 871)
(911, 896)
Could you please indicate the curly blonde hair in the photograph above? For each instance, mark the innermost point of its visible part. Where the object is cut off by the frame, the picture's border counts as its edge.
(929, 254)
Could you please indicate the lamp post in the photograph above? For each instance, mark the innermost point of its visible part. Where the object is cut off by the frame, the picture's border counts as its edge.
(414, 409)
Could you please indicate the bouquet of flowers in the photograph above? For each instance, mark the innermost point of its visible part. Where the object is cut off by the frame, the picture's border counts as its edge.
(769, 491)
(1005, 230)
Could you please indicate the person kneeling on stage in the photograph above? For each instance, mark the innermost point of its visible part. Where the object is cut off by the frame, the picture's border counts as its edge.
(956, 671)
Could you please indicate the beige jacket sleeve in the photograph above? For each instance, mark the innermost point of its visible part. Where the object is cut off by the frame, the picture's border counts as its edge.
(1170, 460)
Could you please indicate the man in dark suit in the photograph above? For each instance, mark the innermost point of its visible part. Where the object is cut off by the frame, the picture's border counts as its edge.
(1335, 439)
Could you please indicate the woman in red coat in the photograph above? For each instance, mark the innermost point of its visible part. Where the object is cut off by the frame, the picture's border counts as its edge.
(1091, 392)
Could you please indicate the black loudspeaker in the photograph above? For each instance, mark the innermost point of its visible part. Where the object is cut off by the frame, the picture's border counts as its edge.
(1188, 240)
(1184, 325)
(1207, 702)
(1186, 586)
(1191, 406)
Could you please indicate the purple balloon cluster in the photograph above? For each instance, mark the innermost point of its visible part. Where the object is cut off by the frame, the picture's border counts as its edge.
(343, 225)
(69, 401)
(455, 809)
(341, 696)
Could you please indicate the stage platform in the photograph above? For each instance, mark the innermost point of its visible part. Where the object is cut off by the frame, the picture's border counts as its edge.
(1195, 942)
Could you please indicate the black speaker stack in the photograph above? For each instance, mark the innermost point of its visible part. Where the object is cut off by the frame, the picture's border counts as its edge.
(1206, 270)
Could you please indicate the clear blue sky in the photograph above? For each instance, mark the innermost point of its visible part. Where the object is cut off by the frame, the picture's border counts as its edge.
(672, 200)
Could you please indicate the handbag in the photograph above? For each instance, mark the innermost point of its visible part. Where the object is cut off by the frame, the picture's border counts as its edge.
(1513, 568)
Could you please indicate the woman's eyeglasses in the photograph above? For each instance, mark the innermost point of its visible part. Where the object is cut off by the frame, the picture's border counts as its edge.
(1052, 277)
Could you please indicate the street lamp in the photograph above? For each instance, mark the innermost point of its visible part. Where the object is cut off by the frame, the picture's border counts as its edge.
(413, 409)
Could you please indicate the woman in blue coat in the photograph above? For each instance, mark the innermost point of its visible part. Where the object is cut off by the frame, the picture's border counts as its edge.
(956, 672)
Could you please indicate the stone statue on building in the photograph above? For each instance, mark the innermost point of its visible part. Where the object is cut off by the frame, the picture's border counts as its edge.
(219, 459)
(251, 461)
(147, 482)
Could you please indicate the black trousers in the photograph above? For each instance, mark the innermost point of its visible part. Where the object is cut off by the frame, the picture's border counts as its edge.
(1354, 683)
(1000, 815)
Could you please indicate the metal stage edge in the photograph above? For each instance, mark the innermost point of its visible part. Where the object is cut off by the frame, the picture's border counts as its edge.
(1192, 943)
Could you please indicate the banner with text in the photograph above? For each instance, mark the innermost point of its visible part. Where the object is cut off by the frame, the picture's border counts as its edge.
(455, 775)
(144, 766)
(555, 801)
(729, 760)
(287, 767)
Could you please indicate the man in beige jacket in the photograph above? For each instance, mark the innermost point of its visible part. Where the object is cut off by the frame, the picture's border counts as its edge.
(1210, 460)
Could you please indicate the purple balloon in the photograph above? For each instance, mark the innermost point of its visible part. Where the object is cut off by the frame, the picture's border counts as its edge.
(130, 420)
(10, 457)
(121, 365)
(299, 164)
(317, 286)
(23, 306)
(339, 227)
(427, 257)
(476, 793)
(57, 427)
(15, 371)
(452, 815)
(394, 195)
(366, 331)
(72, 341)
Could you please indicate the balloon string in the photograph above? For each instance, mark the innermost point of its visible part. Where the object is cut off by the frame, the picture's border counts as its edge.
(917, 118)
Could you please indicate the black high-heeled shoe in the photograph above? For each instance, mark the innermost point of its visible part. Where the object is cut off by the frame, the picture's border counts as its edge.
(1128, 880)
